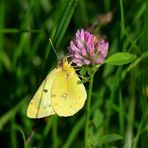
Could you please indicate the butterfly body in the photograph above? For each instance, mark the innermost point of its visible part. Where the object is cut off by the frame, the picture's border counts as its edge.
(58, 94)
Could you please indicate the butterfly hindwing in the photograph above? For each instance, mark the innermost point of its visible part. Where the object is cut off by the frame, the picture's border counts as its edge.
(67, 96)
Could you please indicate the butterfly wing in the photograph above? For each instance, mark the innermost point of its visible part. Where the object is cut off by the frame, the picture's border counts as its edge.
(68, 97)
(40, 105)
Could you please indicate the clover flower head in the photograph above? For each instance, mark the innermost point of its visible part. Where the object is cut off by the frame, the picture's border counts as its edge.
(87, 49)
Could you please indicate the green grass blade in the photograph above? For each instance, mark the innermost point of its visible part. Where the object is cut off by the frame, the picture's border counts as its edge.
(11, 113)
(64, 21)
(121, 114)
(122, 19)
(74, 132)
(12, 30)
(109, 138)
(2, 22)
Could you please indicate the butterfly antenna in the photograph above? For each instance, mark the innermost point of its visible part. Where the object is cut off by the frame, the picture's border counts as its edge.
(54, 48)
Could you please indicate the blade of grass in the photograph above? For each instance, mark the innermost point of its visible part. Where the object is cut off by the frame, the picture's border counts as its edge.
(18, 128)
(11, 113)
(140, 12)
(114, 87)
(130, 115)
(46, 131)
(107, 5)
(64, 20)
(134, 64)
(133, 42)
(13, 30)
(121, 114)
(74, 132)
(129, 130)
(13, 134)
(143, 127)
(55, 132)
(4, 59)
(2, 22)
(67, 21)
(83, 10)
(109, 138)
(25, 23)
(122, 20)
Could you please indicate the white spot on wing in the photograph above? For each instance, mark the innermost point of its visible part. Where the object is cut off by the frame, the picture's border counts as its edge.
(64, 96)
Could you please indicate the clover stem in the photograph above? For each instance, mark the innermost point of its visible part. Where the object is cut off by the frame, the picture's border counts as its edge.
(88, 109)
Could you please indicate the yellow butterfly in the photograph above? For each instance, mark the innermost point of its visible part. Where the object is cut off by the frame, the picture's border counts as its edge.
(60, 93)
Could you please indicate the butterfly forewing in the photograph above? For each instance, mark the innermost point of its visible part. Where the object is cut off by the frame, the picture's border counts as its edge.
(40, 105)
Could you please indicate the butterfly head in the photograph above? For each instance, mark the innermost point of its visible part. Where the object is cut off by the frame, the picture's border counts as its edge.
(68, 68)
(65, 65)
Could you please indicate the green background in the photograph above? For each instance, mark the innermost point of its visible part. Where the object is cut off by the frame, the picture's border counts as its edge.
(119, 111)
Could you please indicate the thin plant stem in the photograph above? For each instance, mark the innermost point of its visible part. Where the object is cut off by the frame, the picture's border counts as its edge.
(88, 109)
(55, 132)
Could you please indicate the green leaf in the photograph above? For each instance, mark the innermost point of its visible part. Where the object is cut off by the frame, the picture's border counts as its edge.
(120, 58)
(97, 118)
(85, 79)
(83, 71)
(92, 70)
(109, 138)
